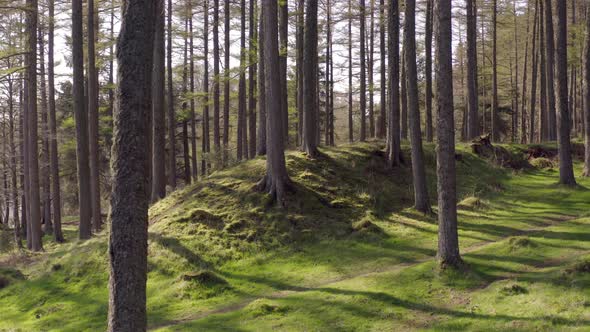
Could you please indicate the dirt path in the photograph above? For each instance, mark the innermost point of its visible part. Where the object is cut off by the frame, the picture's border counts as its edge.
(363, 274)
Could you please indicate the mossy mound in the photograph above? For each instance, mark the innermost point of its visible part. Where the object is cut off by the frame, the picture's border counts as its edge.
(580, 267)
(263, 307)
(499, 155)
(9, 276)
(471, 203)
(513, 289)
(542, 163)
(518, 242)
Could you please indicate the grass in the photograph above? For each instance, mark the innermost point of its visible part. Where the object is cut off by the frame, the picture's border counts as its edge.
(348, 254)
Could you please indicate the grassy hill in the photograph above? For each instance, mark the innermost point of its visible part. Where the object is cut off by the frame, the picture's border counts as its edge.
(349, 253)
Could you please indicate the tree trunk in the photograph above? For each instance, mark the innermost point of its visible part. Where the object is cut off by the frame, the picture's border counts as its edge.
(216, 92)
(393, 126)
(171, 113)
(566, 171)
(193, 116)
(184, 138)
(448, 239)
(363, 96)
(276, 181)
(350, 101)
(283, 44)
(419, 174)
(81, 122)
(404, 95)
(515, 92)
(329, 121)
(428, 69)
(205, 146)
(472, 85)
(53, 152)
(587, 97)
(226, 83)
(242, 128)
(381, 122)
(128, 239)
(310, 79)
(523, 136)
(371, 69)
(549, 69)
(93, 120)
(158, 110)
(261, 136)
(45, 176)
(252, 64)
(495, 120)
(535, 56)
(299, 68)
(543, 79)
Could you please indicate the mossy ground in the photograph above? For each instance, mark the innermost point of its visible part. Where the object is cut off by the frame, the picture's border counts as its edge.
(348, 254)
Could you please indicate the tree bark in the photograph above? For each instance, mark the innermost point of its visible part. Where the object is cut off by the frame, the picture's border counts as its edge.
(535, 56)
(193, 116)
(81, 118)
(216, 92)
(566, 171)
(587, 97)
(421, 202)
(381, 122)
(283, 45)
(393, 102)
(53, 150)
(44, 167)
(226, 82)
(276, 182)
(428, 69)
(170, 101)
(94, 155)
(242, 125)
(158, 109)
(128, 239)
(350, 101)
(310, 79)
(549, 69)
(363, 84)
(205, 141)
(371, 69)
(472, 84)
(495, 120)
(261, 136)
(252, 68)
(448, 239)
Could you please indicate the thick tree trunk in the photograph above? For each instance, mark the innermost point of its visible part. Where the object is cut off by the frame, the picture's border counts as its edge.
(515, 92)
(448, 239)
(93, 119)
(310, 79)
(421, 202)
(81, 122)
(276, 182)
(523, 110)
(566, 171)
(128, 239)
(261, 136)
(158, 110)
(543, 80)
(393, 103)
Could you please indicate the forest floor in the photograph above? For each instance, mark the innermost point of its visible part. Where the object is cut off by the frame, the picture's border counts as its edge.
(348, 254)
